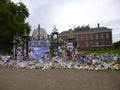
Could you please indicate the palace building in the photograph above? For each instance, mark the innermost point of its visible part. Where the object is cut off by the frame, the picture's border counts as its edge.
(86, 38)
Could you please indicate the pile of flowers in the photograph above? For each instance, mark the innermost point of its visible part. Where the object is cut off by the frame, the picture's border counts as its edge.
(59, 63)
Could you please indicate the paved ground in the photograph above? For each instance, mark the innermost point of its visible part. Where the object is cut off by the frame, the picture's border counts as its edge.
(57, 79)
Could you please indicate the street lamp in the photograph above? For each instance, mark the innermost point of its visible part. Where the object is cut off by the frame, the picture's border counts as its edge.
(55, 40)
(71, 40)
(14, 48)
(26, 39)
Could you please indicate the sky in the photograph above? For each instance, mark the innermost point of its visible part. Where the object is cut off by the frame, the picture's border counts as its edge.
(66, 14)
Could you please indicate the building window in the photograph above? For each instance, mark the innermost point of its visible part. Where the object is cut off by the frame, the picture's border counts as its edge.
(86, 44)
(97, 43)
(77, 38)
(92, 43)
(101, 36)
(102, 43)
(82, 37)
(107, 43)
(107, 35)
(86, 37)
(91, 36)
(96, 36)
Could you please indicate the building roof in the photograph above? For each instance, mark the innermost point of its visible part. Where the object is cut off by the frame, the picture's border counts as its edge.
(92, 30)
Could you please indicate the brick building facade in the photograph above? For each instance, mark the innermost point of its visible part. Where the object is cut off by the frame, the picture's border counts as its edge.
(87, 38)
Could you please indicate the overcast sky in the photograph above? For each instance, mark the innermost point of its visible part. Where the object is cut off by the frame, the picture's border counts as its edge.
(66, 14)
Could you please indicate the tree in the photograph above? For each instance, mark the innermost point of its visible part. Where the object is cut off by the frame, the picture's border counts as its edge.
(116, 45)
(12, 22)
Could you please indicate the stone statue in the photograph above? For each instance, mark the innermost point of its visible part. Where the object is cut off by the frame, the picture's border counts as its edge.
(55, 29)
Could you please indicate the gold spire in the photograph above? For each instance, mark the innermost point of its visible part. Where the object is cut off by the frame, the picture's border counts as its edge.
(42, 34)
(20, 43)
(25, 33)
(14, 41)
(55, 29)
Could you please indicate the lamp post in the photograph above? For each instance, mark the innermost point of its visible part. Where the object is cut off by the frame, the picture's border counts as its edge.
(26, 39)
(51, 45)
(54, 39)
(14, 48)
(71, 40)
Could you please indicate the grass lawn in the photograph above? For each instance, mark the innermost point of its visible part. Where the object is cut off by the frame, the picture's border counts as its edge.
(114, 51)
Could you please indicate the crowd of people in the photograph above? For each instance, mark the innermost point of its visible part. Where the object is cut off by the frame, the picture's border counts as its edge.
(81, 61)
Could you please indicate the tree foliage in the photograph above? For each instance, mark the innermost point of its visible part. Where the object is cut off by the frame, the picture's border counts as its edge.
(116, 45)
(12, 22)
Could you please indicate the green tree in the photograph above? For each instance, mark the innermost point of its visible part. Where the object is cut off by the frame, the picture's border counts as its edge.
(12, 22)
(116, 45)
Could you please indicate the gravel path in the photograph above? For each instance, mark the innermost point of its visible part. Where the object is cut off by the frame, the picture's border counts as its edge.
(58, 79)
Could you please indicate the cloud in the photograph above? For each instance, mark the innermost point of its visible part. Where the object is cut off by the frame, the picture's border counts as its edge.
(69, 13)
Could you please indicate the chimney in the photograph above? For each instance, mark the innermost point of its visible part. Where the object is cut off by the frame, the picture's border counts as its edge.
(98, 25)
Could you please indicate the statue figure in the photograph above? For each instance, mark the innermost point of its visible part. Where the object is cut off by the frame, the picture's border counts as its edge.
(55, 29)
